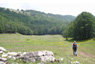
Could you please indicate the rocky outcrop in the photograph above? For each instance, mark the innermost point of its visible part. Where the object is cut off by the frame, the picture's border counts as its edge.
(43, 56)
(34, 56)
(2, 50)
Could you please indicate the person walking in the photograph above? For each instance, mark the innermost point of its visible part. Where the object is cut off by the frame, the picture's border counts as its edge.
(74, 47)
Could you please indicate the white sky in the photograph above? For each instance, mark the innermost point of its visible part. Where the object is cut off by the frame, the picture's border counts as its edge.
(63, 7)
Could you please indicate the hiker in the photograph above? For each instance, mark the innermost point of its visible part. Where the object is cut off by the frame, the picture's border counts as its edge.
(74, 47)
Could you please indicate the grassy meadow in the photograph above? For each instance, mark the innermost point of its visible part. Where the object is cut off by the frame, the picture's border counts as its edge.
(55, 43)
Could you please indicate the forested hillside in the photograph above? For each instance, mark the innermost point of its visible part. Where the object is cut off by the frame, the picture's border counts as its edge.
(83, 27)
(32, 22)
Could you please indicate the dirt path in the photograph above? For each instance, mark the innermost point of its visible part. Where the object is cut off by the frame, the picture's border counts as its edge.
(85, 59)
(81, 55)
(86, 55)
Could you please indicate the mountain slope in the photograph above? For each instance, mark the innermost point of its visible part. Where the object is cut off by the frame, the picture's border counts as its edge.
(28, 21)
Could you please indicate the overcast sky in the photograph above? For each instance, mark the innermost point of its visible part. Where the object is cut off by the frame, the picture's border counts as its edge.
(63, 7)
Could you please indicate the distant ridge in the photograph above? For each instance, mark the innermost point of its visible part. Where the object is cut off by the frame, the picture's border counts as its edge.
(30, 21)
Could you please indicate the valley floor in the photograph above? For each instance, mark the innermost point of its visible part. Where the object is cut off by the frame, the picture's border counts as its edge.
(55, 43)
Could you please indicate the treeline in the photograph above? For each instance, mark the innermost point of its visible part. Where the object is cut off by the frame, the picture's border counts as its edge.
(10, 23)
(83, 27)
(32, 22)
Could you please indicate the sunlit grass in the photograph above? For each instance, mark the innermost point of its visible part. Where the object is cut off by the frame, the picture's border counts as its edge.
(55, 43)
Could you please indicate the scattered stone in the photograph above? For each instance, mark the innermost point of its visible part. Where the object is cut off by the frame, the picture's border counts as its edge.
(18, 56)
(76, 62)
(13, 58)
(24, 53)
(3, 59)
(1, 52)
(1, 62)
(41, 63)
(34, 56)
(72, 59)
(43, 56)
(4, 55)
(56, 60)
(12, 53)
(2, 49)
(9, 57)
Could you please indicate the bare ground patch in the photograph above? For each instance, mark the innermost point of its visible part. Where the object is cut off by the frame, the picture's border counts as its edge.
(86, 55)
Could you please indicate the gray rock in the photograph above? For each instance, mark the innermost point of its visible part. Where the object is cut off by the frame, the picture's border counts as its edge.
(1, 52)
(3, 59)
(1, 62)
(43, 56)
(2, 49)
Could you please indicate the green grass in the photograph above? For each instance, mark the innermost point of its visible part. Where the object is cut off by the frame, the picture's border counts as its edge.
(86, 51)
(55, 43)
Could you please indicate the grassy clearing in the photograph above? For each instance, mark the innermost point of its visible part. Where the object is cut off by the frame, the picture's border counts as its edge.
(55, 43)
(19, 42)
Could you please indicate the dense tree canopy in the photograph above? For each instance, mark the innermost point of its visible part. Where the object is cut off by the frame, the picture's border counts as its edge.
(11, 24)
(32, 22)
(82, 27)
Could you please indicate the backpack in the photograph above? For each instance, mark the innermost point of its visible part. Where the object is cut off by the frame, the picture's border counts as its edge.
(74, 46)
